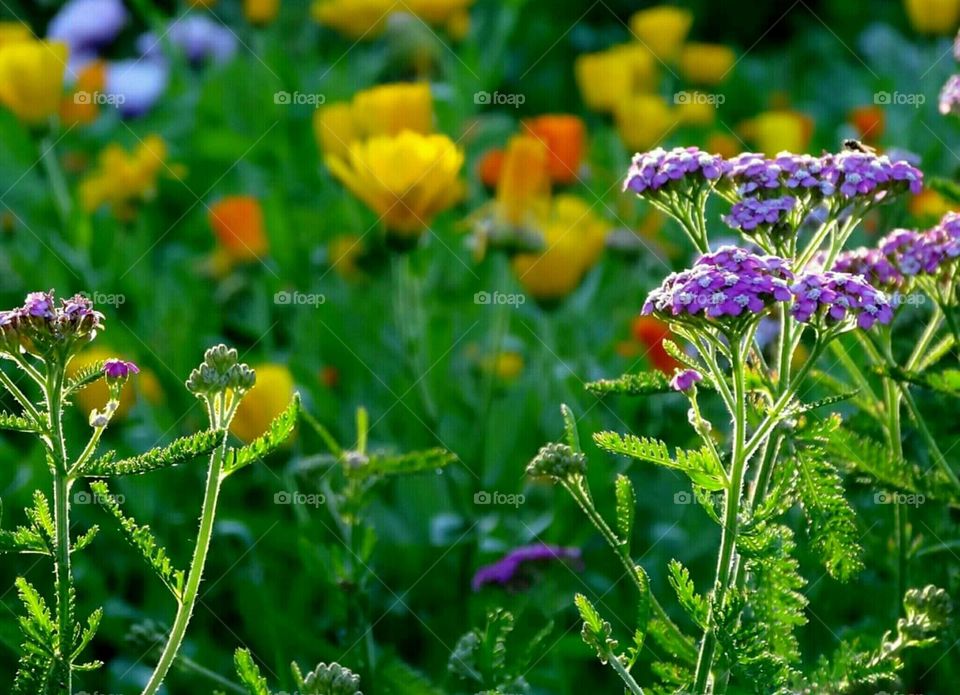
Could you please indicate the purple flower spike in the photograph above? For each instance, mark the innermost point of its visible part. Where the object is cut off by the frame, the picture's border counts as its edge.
(837, 296)
(115, 369)
(950, 96)
(724, 284)
(507, 571)
(752, 213)
(659, 168)
(685, 379)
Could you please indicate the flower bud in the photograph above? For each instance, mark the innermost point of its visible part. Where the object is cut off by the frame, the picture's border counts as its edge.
(557, 461)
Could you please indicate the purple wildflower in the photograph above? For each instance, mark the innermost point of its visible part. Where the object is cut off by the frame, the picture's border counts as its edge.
(198, 36)
(873, 265)
(837, 296)
(140, 82)
(685, 379)
(39, 305)
(659, 168)
(85, 25)
(723, 284)
(751, 213)
(507, 570)
(865, 174)
(115, 369)
(39, 326)
(950, 96)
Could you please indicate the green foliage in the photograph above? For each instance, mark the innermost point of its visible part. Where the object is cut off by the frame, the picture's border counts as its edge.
(570, 433)
(693, 603)
(178, 451)
(596, 631)
(327, 679)
(481, 655)
(381, 465)
(35, 538)
(945, 381)
(701, 466)
(279, 431)
(831, 520)
(249, 673)
(626, 509)
(142, 539)
(640, 384)
(16, 423)
(84, 376)
(397, 677)
(42, 669)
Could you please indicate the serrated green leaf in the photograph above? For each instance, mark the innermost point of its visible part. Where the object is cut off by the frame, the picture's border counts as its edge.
(378, 465)
(639, 384)
(693, 603)
(23, 540)
(332, 446)
(141, 538)
(946, 381)
(249, 673)
(626, 508)
(570, 434)
(702, 467)
(279, 431)
(178, 451)
(17, 423)
(596, 631)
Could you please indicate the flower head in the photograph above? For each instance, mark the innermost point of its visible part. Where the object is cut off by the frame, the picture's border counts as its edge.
(508, 570)
(723, 285)
(706, 63)
(871, 176)
(872, 264)
(757, 213)
(833, 297)
(659, 169)
(684, 379)
(564, 137)
(31, 78)
(123, 178)
(42, 328)
(85, 25)
(662, 29)
(237, 222)
(642, 120)
(557, 461)
(117, 370)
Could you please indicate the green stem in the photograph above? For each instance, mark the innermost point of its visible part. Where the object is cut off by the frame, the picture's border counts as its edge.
(730, 522)
(191, 589)
(58, 184)
(928, 437)
(624, 674)
(24, 402)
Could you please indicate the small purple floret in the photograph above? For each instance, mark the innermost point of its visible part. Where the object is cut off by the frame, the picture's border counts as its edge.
(659, 168)
(685, 379)
(506, 571)
(119, 369)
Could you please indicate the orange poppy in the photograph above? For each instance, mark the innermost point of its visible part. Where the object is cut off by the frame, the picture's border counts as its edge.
(564, 136)
(651, 332)
(238, 223)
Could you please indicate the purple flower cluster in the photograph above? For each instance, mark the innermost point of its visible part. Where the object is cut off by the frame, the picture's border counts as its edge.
(723, 284)
(755, 175)
(873, 265)
(40, 325)
(867, 174)
(657, 169)
(835, 296)
(507, 570)
(752, 213)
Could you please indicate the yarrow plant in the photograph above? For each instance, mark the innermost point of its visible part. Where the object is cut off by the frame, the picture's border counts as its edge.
(795, 212)
(41, 338)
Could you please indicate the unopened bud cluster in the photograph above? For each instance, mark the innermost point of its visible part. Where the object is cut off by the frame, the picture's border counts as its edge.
(557, 461)
(221, 371)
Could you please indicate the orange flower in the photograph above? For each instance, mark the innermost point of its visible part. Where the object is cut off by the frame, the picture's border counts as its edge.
(238, 223)
(524, 186)
(929, 205)
(78, 108)
(261, 11)
(490, 166)
(651, 332)
(564, 137)
(869, 122)
(724, 144)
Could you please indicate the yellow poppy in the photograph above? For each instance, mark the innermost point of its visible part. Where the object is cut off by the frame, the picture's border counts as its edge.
(695, 108)
(406, 179)
(334, 129)
(14, 32)
(261, 11)
(662, 29)
(31, 78)
(776, 131)
(265, 401)
(523, 188)
(604, 78)
(573, 238)
(388, 109)
(724, 144)
(121, 178)
(506, 365)
(933, 16)
(366, 19)
(706, 63)
(643, 121)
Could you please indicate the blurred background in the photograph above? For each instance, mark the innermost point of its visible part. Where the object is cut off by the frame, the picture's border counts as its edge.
(221, 171)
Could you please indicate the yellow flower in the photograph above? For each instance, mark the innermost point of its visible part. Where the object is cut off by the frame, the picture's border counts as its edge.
(695, 108)
(96, 394)
(573, 238)
(933, 16)
(14, 32)
(388, 109)
(605, 78)
(505, 365)
(662, 29)
(265, 401)
(706, 63)
(523, 188)
(121, 179)
(929, 204)
(366, 19)
(643, 121)
(458, 26)
(261, 11)
(776, 131)
(31, 78)
(334, 129)
(406, 179)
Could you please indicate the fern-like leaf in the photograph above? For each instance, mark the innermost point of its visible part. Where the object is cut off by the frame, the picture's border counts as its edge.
(142, 539)
(626, 508)
(639, 384)
(701, 466)
(249, 673)
(693, 603)
(84, 376)
(279, 431)
(16, 423)
(379, 465)
(178, 451)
